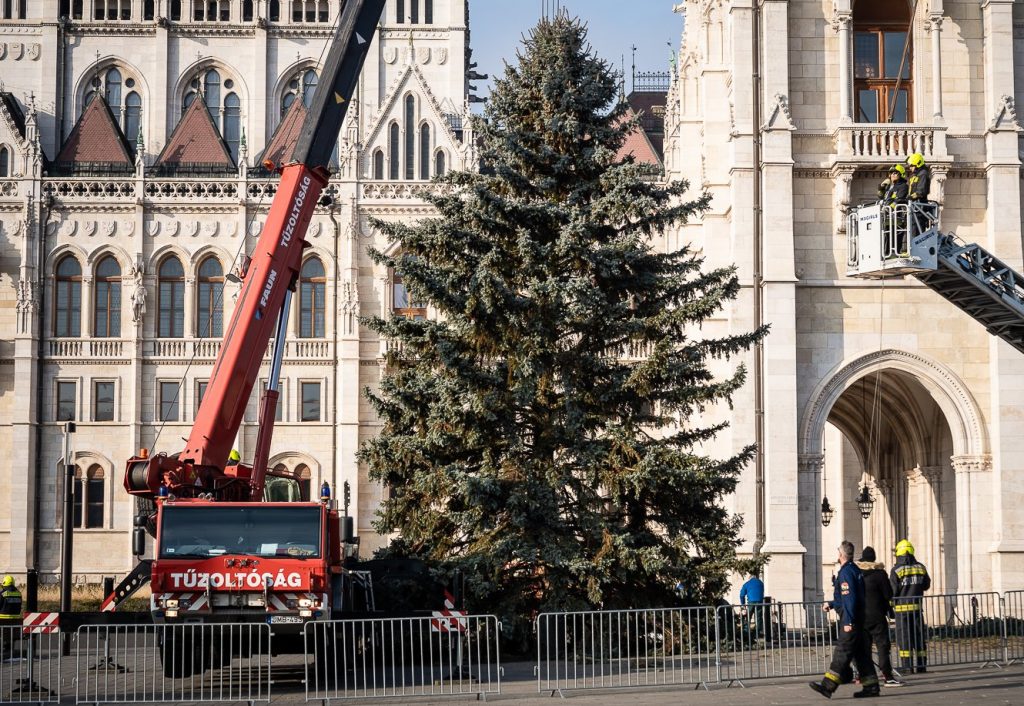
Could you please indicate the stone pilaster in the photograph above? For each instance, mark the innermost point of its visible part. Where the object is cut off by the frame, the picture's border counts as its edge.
(810, 494)
(973, 521)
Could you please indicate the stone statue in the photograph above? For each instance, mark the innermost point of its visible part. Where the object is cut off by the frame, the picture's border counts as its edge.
(138, 296)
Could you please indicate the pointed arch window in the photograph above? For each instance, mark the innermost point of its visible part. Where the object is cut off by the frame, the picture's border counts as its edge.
(410, 137)
(883, 62)
(439, 163)
(378, 164)
(393, 157)
(404, 303)
(120, 90)
(171, 299)
(107, 299)
(225, 108)
(302, 84)
(209, 306)
(5, 161)
(312, 297)
(425, 151)
(67, 321)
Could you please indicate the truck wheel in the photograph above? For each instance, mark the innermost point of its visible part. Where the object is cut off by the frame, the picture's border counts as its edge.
(176, 654)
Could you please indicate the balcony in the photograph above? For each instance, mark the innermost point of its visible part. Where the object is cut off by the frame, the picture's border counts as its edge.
(174, 350)
(885, 143)
(92, 349)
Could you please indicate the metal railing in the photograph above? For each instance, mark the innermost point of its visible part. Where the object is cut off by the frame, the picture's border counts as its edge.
(29, 666)
(169, 663)
(1012, 609)
(402, 657)
(955, 628)
(624, 648)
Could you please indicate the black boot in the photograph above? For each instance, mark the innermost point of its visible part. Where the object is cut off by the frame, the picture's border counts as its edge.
(822, 689)
(868, 692)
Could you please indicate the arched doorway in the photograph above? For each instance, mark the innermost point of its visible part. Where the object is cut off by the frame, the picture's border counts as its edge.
(904, 427)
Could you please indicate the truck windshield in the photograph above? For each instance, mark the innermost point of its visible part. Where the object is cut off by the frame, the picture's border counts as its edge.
(208, 531)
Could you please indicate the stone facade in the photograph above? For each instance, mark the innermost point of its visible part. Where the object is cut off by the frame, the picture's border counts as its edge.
(876, 382)
(413, 89)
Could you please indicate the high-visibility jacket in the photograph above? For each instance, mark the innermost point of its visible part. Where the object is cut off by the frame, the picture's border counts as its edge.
(891, 192)
(910, 580)
(10, 604)
(919, 184)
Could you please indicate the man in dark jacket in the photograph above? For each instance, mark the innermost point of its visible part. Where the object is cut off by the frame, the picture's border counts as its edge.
(877, 611)
(910, 580)
(919, 184)
(852, 646)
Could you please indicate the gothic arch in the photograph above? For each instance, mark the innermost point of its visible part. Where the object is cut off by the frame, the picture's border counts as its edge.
(281, 85)
(60, 251)
(292, 459)
(116, 251)
(223, 256)
(163, 251)
(82, 82)
(959, 407)
(227, 72)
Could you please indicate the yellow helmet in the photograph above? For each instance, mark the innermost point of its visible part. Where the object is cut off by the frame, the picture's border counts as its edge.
(234, 456)
(8, 581)
(904, 547)
(916, 160)
(899, 168)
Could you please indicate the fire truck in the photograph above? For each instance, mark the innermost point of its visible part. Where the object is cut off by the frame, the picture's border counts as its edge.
(226, 551)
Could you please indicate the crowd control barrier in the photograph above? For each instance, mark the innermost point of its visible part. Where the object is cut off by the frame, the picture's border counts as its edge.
(955, 628)
(1013, 626)
(451, 654)
(29, 666)
(191, 663)
(623, 648)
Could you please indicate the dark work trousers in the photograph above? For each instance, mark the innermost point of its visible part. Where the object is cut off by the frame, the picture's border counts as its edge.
(910, 637)
(878, 633)
(855, 647)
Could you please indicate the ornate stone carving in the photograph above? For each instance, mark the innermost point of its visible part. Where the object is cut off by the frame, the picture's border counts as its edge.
(209, 229)
(255, 228)
(108, 228)
(153, 228)
(780, 118)
(810, 463)
(390, 55)
(314, 230)
(26, 297)
(138, 294)
(191, 229)
(441, 55)
(128, 227)
(981, 463)
(34, 50)
(423, 55)
(1006, 116)
(89, 228)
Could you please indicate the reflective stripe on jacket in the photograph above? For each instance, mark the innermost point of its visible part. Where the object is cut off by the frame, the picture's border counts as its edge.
(10, 603)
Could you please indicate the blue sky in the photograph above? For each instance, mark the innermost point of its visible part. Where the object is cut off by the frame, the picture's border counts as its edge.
(614, 27)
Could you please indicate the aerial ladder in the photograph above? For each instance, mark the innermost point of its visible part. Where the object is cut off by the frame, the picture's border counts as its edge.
(222, 552)
(895, 240)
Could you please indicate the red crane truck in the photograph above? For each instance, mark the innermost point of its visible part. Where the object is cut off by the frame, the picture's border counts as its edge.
(223, 553)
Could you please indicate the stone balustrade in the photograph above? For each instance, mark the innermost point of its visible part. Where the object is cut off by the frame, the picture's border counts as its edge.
(8, 188)
(90, 189)
(90, 350)
(869, 143)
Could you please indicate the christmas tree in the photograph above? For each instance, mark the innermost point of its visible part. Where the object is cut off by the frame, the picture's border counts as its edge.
(539, 432)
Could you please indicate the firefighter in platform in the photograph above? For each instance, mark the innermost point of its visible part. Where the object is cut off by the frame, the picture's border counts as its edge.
(894, 188)
(910, 580)
(852, 645)
(919, 184)
(891, 192)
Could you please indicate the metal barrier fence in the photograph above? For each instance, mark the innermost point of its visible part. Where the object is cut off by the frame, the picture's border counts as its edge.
(29, 666)
(775, 640)
(402, 657)
(612, 649)
(1013, 626)
(165, 663)
(955, 628)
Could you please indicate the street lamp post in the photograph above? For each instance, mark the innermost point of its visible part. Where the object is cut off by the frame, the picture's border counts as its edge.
(67, 536)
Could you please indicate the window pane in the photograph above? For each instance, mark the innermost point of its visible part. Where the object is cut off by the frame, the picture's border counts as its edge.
(867, 106)
(393, 156)
(310, 402)
(318, 309)
(200, 393)
(278, 412)
(94, 491)
(899, 113)
(410, 136)
(400, 11)
(401, 296)
(894, 54)
(104, 402)
(865, 54)
(428, 12)
(115, 309)
(66, 401)
(78, 492)
(169, 401)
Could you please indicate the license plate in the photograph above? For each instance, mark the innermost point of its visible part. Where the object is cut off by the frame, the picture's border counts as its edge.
(278, 619)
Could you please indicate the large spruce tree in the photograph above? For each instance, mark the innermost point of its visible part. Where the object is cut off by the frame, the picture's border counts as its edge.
(522, 443)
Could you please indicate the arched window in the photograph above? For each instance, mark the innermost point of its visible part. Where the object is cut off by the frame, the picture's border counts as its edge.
(410, 136)
(107, 299)
(68, 305)
(126, 108)
(302, 84)
(404, 303)
(5, 161)
(400, 11)
(425, 151)
(378, 164)
(393, 156)
(439, 163)
(312, 297)
(209, 306)
(428, 12)
(89, 494)
(304, 477)
(247, 11)
(171, 299)
(881, 46)
(224, 109)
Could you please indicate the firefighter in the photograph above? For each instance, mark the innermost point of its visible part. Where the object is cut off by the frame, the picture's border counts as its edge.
(891, 192)
(10, 602)
(918, 185)
(894, 188)
(234, 457)
(852, 645)
(910, 580)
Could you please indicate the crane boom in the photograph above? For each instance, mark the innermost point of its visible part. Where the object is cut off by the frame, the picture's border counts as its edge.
(272, 270)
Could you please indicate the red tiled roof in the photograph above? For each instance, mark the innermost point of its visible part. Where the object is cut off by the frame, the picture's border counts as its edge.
(96, 138)
(638, 145)
(282, 144)
(196, 140)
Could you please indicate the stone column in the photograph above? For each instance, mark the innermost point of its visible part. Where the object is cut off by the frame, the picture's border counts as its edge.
(924, 528)
(842, 24)
(973, 507)
(190, 307)
(810, 494)
(935, 27)
(88, 325)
